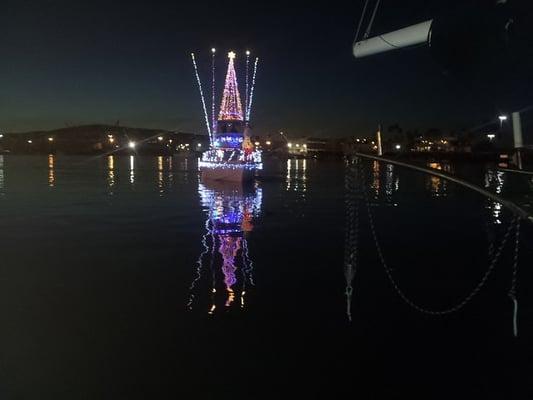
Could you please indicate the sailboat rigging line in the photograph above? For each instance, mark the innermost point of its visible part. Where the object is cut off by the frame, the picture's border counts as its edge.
(410, 302)
(213, 120)
(202, 97)
(514, 208)
(246, 95)
(249, 111)
(367, 33)
(360, 22)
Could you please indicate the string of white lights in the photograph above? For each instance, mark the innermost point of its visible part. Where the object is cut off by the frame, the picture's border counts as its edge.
(249, 110)
(213, 126)
(246, 95)
(202, 96)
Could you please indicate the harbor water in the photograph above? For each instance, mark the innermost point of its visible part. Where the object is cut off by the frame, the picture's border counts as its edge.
(128, 277)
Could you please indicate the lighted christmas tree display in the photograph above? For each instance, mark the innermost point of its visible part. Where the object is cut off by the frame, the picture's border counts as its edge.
(231, 107)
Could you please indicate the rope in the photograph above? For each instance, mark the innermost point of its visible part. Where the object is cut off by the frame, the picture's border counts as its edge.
(404, 297)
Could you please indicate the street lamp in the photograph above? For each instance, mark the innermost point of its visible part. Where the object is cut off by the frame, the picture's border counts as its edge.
(502, 118)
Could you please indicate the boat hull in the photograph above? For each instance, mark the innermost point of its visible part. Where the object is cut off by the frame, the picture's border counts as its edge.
(227, 174)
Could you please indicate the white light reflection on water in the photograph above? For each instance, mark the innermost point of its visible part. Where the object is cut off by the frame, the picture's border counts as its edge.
(2, 178)
(495, 181)
(438, 187)
(132, 169)
(297, 175)
(391, 184)
(376, 183)
(160, 179)
(170, 175)
(110, 173)
(51, 174)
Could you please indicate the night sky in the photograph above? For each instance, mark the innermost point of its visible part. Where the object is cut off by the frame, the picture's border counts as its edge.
(72, 63)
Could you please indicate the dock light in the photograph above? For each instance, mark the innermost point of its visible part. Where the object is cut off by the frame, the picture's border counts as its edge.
(111, 138)
(305, 146)
(257, 143)
(29, 141)
(1, 136)
(247, 52)
(398, 147)
(132, 145)
(199, 145)
(268, 143)
(491, 136)
(50, 139)
(297, 144)
(213, 50)
(170, 141)
(289, 145)
(160, 138)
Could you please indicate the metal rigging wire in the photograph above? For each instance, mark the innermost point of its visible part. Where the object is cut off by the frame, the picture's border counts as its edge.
(367, 32)
(360, 22)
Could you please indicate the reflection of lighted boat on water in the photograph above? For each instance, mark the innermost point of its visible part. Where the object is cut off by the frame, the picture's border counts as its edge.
(231, 156)
(224, 268)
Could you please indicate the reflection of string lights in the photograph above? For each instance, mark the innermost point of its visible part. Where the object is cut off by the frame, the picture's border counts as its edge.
(199, 265)
(230, 212)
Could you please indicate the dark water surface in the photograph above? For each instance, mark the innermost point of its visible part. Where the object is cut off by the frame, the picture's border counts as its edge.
(128, 278)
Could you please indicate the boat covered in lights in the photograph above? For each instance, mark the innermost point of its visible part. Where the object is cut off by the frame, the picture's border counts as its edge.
(232, 155)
